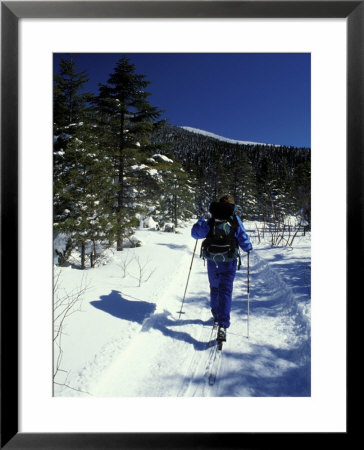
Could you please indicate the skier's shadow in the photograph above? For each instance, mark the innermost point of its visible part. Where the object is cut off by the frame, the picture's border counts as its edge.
(162, 322)
(117, 306)
(142, 312)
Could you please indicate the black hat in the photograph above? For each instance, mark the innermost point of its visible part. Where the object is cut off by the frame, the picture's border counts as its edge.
(222, 210)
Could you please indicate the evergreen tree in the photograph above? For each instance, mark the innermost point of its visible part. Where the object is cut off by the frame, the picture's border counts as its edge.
(83, 187)
(176, 191)
(240, 183)
(301, 188)
(69, 104)
(82, 183)
(127, 119)
(274, 191)
(266, 184)
(69, 107)
(69, 110)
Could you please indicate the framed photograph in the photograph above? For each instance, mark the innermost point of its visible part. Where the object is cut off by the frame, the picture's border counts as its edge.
(33, 33)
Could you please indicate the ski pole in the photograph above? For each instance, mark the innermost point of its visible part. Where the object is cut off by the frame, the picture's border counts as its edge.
(248, 295)
(184, 295)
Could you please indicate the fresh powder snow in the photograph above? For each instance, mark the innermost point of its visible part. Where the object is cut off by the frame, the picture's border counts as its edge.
(127, 338)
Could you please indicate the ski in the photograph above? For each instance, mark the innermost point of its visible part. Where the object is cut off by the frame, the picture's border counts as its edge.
(217, 356)
(211, 341)
(216, 363)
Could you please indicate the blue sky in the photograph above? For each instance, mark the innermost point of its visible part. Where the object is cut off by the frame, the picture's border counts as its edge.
(262, 97)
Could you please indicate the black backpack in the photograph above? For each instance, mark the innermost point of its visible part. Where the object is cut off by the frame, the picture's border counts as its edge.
(220, 243)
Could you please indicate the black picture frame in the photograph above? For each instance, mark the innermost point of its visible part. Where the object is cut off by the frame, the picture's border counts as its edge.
(11, 12)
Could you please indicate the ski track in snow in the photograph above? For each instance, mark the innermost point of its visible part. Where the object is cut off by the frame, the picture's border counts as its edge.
(165, 355)
(277, 343)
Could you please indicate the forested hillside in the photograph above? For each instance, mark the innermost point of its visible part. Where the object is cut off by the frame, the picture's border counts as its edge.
(269, 182)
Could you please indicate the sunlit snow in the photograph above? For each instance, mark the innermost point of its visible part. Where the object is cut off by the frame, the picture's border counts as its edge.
(129, 341)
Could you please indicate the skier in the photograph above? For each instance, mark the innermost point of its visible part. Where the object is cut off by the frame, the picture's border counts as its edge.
(224, 232)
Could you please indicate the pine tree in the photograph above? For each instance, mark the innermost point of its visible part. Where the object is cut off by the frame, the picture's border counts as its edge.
(127, 119)
(266, 180)
(176, 190)
(69, 108)
(240, 183)
(274, 191)
(83, 184)
(69, 104)
(301, 190)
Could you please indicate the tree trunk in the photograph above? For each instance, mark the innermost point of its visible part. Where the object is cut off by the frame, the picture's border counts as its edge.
(83, 256)
(175, 208)
(119, 241)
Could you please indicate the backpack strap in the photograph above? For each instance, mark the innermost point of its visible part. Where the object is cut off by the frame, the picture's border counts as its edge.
(239, 260)
(211, 223)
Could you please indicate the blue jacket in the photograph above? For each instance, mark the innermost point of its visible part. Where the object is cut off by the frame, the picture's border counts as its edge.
(201, 228)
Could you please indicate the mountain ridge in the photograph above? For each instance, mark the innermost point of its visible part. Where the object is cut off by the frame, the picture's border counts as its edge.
(224, 139)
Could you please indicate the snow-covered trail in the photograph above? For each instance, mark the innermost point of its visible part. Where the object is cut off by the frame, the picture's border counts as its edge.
(148, 351)
(274, 358)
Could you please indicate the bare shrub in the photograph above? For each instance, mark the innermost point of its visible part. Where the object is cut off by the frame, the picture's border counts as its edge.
(65, 304)
(143, 272)
(128, 257)
(279, 234)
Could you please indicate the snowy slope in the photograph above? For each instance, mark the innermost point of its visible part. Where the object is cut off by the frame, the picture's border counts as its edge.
(129, 340)
(220, 138)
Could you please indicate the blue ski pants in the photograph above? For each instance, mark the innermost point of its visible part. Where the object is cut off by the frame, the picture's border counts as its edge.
(221, 278)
